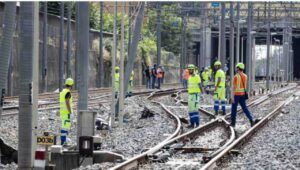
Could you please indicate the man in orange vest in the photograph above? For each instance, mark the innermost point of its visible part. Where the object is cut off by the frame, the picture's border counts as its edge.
(185, 75)
(238, 95)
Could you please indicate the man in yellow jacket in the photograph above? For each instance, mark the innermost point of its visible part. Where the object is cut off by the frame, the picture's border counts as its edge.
(220, 91)
(194, 89)
(130, 85)
(65, 109)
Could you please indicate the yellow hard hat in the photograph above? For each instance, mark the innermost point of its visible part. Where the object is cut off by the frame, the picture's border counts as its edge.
(217, 63)
(117, 68)
(240, 65)
(69, 82)
(191, 66)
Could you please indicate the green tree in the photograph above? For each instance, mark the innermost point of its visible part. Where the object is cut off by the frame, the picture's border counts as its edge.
(171, 28)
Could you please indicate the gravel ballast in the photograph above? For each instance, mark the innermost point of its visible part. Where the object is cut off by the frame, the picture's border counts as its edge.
(276, 146)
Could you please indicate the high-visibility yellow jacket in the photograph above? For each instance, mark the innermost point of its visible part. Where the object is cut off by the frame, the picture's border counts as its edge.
(117, 82)
(204, 75)
(209, 73)
(220, 74)
(193, 84)
(64, 112)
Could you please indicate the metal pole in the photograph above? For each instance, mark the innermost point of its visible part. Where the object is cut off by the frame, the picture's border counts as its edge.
(253, 63)
(249, 44)
(134, 44)
(69, 42)
(285, 46)
(223, 38)
(101, 62)
(158, 33)
(129, 25)
(268, 48)
(121, 99)
(242, 49)
(6, 46)
(61, 47)
(83, 58)
(29, 41)
(237, 55)
(113, 64)
(77, 63)
(219, 41)
(231, 43)
(45, 48)
(182, 65)
(183, 44)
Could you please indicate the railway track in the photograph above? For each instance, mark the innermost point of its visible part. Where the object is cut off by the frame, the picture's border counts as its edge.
(160, 156)
(91, 91)
(246, 135)
(96, 97)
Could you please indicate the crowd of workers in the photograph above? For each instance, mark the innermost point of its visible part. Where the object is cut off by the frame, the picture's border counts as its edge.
(196, 83)
(154, 75)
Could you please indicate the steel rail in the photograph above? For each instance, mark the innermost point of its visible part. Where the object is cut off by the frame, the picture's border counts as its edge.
(91, 90)
(56, 104)
(243, 138)
(133, 162)
(91, 104)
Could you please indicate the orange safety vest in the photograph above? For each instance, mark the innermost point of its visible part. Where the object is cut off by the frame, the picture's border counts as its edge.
(186, 74)
(239, 84)
(159, 73)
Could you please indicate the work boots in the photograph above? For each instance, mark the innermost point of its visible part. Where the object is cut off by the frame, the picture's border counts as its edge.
(254, 122)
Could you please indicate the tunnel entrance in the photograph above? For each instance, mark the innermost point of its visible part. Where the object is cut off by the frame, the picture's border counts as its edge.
(296, 62)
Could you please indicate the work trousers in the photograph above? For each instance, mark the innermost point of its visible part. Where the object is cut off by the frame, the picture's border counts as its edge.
(193, 106)
(148, 81)
(159, 80)
(153, 78)
(219, 97)
(242, 101)
(184, 82)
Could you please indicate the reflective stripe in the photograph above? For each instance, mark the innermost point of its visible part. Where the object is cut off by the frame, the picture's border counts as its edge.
(194, 116)
(239, 87)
